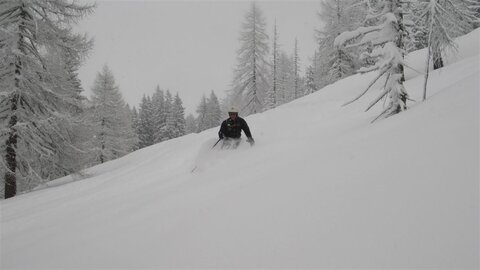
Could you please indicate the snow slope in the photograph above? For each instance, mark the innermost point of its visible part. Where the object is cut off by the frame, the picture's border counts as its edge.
(322, 188)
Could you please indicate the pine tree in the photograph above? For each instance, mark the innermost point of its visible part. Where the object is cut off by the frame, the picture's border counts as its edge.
(161, 118)
(165, 132)
(136, 125)
(213, 113)
(145, 126)
(179, 115)
(113, 128)
(250, 82)
(310, 85)
(159, 114)
(131, 137)
(202, 121)
(168, 130)
(190, 124)
(387, 38)
(33, 103)
(320, 67)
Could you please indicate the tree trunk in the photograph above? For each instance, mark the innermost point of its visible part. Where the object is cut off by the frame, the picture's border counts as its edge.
(437, 60)
(10, 157)
(401, 45)
(11, 146)
(401, 42)
(11, 143)
(102, 136)
(275, 65)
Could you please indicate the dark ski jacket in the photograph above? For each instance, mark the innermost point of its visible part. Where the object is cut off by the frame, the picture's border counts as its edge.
(233, 128)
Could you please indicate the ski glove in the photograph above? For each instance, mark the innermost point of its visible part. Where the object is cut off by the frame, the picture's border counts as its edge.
(220, 135)
(251, 141)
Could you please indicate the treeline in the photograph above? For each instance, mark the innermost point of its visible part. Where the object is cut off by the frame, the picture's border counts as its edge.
(44, 128)
(48, 129)
(159, 118)
(267, 75)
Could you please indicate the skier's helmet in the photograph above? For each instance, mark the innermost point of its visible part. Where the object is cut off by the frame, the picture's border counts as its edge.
(232, 110)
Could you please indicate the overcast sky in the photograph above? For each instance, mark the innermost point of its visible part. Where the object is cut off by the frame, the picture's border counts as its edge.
(187, 47)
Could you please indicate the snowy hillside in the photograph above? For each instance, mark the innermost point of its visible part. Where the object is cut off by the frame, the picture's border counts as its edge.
(322, 188)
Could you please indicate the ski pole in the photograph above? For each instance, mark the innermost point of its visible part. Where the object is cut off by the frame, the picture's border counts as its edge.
(216, 143)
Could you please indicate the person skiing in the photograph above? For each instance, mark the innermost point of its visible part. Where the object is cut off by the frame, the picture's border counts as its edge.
(231, 129)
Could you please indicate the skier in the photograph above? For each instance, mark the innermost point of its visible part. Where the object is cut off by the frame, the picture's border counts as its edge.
(231, 129)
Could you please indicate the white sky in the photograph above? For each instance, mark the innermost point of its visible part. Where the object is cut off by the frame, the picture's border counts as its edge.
(187, 47)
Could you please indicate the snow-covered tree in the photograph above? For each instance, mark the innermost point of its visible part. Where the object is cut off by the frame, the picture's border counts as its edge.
(271, 98)
(209, 113)
(159, 114)
(386, 37)
(166, 131)
(250, 83)
(202, 120)
(445, 20)
(190, 124)
(135, 125)
(337, 16)
(160, 118)
(296, 76)
(146, 126)
(213, 113)
(310, 85)
(285, 80)
(320, 67)
(64, 62)
(112, 123)
(179, 112)
(130, 131)
(415, 27)
(33, 103)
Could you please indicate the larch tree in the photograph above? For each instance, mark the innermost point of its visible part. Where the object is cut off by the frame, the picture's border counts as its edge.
(320, 67)
(386, 36)
(296, 67)
(33, 102)
(112, 125)
(271, 98)
(63, 63)
(250, 83)
(285, 78)
(337, 16)
(444, 20)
